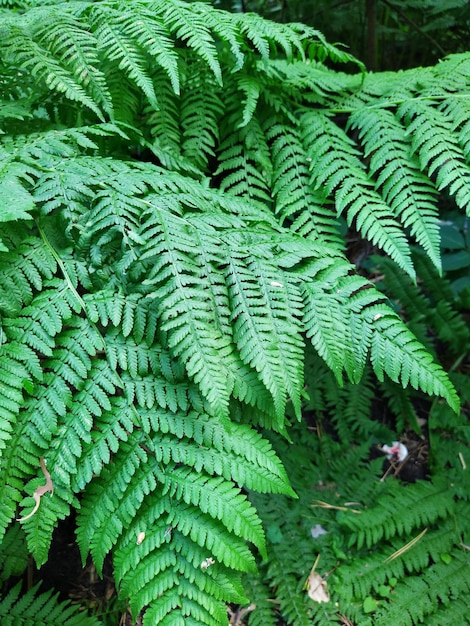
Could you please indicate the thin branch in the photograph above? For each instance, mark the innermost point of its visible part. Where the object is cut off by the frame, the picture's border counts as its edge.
(415, 26)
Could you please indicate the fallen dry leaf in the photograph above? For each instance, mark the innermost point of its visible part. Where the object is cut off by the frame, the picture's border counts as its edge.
(40, 491)
(316, 586)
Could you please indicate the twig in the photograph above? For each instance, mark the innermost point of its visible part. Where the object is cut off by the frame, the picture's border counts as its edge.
(406, 547)
(416, 27)
(326, 505)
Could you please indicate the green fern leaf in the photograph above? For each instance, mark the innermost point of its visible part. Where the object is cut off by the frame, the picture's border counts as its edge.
(225, 28)
(181, 272)
(218, 499)
(438, 150)
(343, 174)
(405, 189)
(264, 341)
(18, 202)
(371, 525)
(153, 36)
(39, 62)
(111, 36)
(201, 109)
(295, 198)
(204, 443)
(69, 41)
(37, 609)
(418, 597)
(264, 34)
(28, 263)
(395, 350)
(244, 159)
(190, 26)
(457, 109)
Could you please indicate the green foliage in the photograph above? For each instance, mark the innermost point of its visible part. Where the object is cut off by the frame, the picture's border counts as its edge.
(176, 184)
(36, 609)
(391, 34)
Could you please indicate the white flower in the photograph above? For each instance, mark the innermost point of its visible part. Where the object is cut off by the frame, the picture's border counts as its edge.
(397, 449)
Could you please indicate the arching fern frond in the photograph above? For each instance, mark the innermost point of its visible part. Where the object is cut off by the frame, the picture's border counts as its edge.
(264, 341)
(343, 174)
(34, 608)
(31, 52)
(121, 47)
(244, 161)
(154, 37)
(394, 350)
(371, 525)
(410, 194)
(201, 109)
(294, 197)
(422, 596)
(177, 186)
(437, 149)
(191, 27)
(180, 275)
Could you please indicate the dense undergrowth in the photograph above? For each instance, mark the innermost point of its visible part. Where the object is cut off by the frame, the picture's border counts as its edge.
(230, 276)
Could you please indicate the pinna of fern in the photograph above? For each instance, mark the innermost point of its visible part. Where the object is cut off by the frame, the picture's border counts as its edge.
(154, 306)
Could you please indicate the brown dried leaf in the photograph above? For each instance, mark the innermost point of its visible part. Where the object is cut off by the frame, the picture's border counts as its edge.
(316, 588)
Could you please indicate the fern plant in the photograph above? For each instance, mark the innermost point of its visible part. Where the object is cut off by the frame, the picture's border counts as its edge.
(175, 185)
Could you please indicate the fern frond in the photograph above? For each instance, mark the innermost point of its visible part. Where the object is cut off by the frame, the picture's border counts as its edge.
(259, 594)
(263, 341)
(343, 174)
(35, 609)
(244, 159)
(457, 109)
(28, 264)
(172, 549)
(360, 579)
(75, 47)
(414, 366)
(404, 188)
(265, 35)
(191, 27)
(153, 36)
(201, 109)
(166, 570)
(38, 61)
(438, 149)
(311, 82)
(181, 271)
(39, 324)
(220, 500)
(225, 29)
(18, 202)
(153, 311)
(120, 46)
(251, 87)
(164, 126)
(294, 197)
(351, 407)
(381, 521)
(332, 303)
(420, 596)
(13, 553)
(252, 463)
(442, 315)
